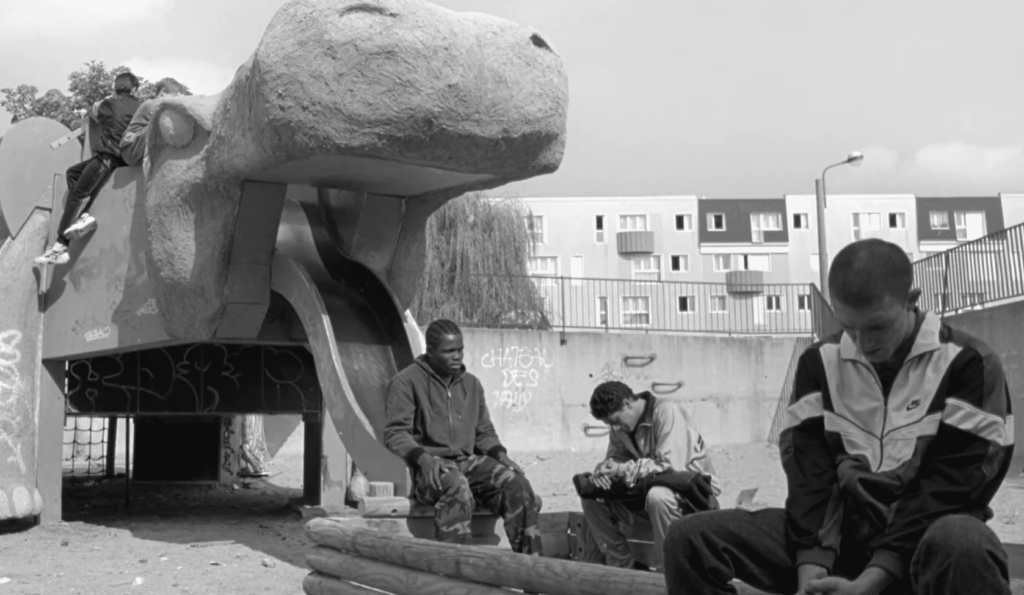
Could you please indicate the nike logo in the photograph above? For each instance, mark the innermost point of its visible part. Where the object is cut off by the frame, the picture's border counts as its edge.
(913, 404)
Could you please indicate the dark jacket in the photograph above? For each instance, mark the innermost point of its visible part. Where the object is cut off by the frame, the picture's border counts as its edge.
(114, 114)
(884, 462)
(425, 415)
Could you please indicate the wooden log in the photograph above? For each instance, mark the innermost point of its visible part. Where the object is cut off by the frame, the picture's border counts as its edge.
(315, 583)
(388, 577)
(484, 565)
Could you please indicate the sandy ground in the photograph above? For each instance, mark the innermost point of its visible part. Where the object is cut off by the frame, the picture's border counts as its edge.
(245, 538)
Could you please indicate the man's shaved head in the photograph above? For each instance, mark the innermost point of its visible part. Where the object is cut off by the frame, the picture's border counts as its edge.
(866, 272)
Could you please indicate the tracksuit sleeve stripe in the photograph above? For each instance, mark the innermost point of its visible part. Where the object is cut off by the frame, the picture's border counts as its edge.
(808, 407)
(966, 417)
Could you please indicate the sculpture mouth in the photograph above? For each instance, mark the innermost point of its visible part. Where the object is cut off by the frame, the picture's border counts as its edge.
(367, 174)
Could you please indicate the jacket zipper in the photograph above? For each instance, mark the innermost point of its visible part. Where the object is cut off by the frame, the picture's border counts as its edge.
(885, 405)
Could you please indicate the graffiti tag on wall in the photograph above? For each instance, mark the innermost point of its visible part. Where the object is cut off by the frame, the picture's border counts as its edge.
(10, 394)
(521, 372)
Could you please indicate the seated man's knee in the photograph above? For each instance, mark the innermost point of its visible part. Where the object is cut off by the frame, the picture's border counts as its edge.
(660, 498)
(455, 485)
(959, 538)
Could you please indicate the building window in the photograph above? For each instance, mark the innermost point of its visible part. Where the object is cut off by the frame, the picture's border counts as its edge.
(576, 270)
(599, 229)
(636, 310)
(535, 227)
(969, 225)
(897, 220)
(680, 263)
(684, 222)
(773, 303)
(803, 302)
(647, 268)
(722, 263)
(762, 222)
(602, 311)
(716, 221)
(718, 304)
(752, 262)
(801, 221)
(863, 222)
(685, 304)
(632, 222)
(814, 262)
(938, 219)
(972, 298)
(544, 266)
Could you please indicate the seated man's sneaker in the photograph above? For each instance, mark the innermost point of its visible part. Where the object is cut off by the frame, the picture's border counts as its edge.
(85, 224)
(58, 254)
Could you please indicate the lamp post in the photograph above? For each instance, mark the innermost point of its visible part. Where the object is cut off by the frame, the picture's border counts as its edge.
(855, 158)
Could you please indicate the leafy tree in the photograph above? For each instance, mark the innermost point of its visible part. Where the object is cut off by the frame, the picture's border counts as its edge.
(87, 85)
(476, 269)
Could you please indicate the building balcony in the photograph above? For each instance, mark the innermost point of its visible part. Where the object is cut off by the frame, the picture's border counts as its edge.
(744, 282)
(635, 242)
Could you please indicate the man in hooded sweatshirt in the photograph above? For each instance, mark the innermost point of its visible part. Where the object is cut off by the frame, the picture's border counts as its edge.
(437, 420)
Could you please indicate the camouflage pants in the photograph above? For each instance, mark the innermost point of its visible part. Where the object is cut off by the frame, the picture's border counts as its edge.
(482, 479)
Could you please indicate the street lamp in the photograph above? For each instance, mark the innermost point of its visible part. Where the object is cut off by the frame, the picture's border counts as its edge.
(855, 158)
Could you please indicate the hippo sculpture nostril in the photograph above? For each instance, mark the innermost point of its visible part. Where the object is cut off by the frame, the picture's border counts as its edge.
(406, 108)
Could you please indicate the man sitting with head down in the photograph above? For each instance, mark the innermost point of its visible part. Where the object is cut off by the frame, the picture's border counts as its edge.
(437, 420)
(655, 471)
(898, 434)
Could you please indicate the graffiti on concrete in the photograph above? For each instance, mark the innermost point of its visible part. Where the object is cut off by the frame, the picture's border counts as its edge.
(228, 454)
(98, 333)
(148, 308)
(625, 369)
(198, 378)
(11, 422)
(521, 372)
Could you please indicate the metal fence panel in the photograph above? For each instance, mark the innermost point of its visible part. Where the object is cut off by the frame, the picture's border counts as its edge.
(655, 305)
(974, 273)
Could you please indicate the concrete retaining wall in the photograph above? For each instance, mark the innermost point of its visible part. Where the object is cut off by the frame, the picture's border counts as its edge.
(538, 389)
(1002, 327)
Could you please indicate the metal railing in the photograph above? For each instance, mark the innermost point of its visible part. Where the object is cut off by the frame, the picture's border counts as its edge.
(662, 306)
(825, 323)
(975, 273)
(786, 394)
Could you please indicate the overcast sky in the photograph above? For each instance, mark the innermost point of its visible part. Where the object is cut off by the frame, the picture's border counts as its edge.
(718, 98)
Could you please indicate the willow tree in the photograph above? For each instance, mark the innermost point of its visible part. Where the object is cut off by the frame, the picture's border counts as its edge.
(476, 271)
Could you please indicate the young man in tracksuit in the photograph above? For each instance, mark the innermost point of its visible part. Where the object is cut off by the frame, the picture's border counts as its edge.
(661, 463)
(113, 115)
(898, 434)
(437, 420)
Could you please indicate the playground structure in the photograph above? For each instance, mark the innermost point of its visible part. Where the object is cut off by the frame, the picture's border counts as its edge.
(263, 257)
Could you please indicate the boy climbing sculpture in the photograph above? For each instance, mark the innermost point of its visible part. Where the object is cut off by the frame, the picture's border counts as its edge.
(898, 434)
(437, 420)
(113, 115)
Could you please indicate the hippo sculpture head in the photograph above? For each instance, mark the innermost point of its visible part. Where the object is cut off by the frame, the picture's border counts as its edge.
(397, 97)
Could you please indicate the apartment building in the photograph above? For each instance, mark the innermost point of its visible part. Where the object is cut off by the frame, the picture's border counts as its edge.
(748, 248)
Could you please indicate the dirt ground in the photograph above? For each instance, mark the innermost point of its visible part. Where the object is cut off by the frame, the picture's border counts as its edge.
(246, 539)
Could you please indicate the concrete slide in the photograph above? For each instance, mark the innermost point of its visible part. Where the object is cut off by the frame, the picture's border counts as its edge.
(356, 331)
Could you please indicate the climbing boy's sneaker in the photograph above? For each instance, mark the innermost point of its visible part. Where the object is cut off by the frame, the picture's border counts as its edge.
(85, 224)
(58, 254)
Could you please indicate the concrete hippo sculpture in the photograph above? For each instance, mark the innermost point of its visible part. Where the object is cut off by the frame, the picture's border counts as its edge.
(391, 97)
